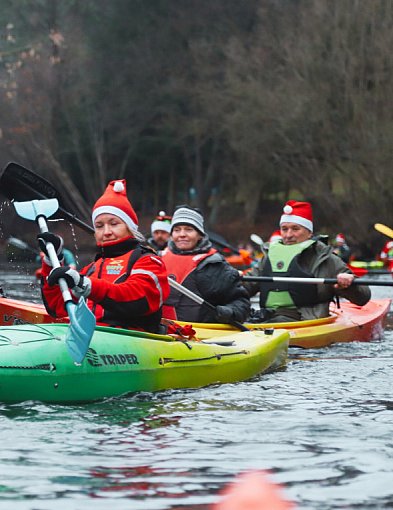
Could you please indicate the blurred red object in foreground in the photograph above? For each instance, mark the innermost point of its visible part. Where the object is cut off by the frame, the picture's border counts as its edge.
(253, 491)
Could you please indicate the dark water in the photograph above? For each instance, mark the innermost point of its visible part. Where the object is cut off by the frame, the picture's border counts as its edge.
(323, 426)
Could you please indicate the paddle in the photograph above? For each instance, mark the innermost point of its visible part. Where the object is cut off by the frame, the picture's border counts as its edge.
(383, 229)
(378, 283)
(82, 320)
(194, 297)
(256, 239)
(220, 241)
(18, 243)
(20, 184)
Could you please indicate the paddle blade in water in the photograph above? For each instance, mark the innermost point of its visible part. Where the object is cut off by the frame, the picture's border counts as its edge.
(81, 329)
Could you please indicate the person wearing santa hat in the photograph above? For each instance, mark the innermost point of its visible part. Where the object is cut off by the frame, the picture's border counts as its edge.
(298, 254)
(386, 254)
(126, 285)
(191, 260)
(341, 248)
(160, 232)
(276, 236)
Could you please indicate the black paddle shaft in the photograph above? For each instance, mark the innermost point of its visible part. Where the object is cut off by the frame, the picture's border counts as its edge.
(20, 184)
(329, 281)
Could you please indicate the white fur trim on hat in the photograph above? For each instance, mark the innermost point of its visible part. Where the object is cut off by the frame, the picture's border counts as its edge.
(161, 225)
(109, 209)
(186, 216)
(292, 218)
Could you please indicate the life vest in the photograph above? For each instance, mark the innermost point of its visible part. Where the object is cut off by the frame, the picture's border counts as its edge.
(117, 270)
(182, 269)
(283, 260)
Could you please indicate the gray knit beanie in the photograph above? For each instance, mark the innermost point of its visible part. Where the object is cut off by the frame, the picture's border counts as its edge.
(188, 216)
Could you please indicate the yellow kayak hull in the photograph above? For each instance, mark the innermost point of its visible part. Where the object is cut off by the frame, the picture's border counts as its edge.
(345, 324)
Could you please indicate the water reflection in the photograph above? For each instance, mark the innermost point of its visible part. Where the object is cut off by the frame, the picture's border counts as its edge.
(322, 426)
(19, 282)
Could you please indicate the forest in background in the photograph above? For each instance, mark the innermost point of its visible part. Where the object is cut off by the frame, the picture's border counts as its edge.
(232, 106)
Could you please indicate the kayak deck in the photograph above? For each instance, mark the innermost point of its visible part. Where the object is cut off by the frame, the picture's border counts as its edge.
(35, 364)
(345, 324)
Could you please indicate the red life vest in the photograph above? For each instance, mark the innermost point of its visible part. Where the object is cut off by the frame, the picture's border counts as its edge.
(182, 269)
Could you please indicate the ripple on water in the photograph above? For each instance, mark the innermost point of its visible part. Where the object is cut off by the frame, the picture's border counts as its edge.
(322, 425)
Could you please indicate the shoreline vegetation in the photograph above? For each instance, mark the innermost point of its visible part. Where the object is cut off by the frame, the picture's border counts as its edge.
(233, 107)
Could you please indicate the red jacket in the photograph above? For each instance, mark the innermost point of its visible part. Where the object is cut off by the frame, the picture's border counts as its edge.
(129, 286)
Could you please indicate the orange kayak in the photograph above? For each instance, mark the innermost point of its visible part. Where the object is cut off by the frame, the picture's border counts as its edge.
(241, 261)
(14, 311)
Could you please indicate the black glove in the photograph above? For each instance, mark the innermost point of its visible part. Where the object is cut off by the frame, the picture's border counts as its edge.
(79, 285)
(57, 241)
(224, 313)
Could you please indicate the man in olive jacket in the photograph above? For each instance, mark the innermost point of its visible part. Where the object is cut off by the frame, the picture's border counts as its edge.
(298, 255)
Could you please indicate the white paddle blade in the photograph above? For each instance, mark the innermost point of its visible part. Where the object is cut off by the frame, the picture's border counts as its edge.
(255, 238)
(33, 208)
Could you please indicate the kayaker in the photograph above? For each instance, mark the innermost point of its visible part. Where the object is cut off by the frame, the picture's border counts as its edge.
(160, 232)
(126, 284)
(191, 260)
(299, 255)
(275, 236)
(341, 248)
(386, 254)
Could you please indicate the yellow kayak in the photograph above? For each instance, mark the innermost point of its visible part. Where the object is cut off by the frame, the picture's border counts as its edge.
(345, 324)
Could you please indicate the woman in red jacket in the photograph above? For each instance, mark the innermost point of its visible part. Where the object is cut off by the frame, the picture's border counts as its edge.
(126, 284)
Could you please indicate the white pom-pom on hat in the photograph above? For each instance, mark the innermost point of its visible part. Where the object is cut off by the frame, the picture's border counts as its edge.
(161, 213)
(288, 209)
(118, 187)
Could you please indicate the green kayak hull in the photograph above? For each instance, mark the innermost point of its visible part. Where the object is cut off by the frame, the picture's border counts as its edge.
(35, 363)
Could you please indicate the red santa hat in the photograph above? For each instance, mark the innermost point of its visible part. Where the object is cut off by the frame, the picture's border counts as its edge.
(162, 222)
(298, 212)
(340, 238)
(115, 201)
(276, 236)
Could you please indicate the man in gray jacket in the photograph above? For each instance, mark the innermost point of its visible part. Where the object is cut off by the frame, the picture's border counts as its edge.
(299, 255)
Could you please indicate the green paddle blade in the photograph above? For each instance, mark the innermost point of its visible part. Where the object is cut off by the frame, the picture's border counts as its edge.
(81, 330)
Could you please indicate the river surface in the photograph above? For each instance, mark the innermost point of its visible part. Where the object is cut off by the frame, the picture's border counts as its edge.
(323, 426)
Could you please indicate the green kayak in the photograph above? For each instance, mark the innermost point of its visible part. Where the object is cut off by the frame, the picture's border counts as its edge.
(35, 363)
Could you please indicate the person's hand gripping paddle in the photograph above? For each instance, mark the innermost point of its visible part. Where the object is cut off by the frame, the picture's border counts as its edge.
(82, 320)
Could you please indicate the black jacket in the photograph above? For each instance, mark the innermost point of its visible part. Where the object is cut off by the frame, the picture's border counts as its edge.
(216, 281)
